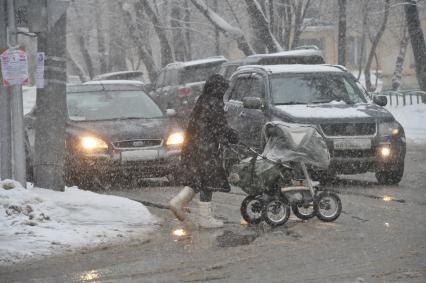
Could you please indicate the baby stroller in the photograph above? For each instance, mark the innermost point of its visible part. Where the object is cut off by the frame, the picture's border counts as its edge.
(278, 178)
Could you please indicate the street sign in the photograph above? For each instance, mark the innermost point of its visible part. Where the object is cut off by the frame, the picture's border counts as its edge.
(14, 67)
(39, 75)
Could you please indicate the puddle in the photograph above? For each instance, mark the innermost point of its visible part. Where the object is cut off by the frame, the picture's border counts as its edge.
(230, 239)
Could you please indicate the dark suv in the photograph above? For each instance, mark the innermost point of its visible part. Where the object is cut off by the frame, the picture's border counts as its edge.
(179, 84)
(361, 135)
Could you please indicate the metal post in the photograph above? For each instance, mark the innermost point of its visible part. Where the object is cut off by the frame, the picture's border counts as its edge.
(17, 111)
(5, 123)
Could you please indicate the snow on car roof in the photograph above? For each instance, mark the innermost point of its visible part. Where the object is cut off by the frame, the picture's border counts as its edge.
(199, 61)
(114, 82)
(118, 73)
(295, 68)
(290, 53)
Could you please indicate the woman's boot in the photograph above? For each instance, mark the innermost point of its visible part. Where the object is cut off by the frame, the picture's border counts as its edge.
(179, 201)
(206, 219)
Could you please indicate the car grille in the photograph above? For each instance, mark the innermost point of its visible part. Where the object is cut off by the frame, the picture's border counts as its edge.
(349, 129)
(359, 153)
(138, 143)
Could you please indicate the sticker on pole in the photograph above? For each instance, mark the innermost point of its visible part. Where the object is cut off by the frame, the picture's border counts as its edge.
(14, 67)
(39, 75)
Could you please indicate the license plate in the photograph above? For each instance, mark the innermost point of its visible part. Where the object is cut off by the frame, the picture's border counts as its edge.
(139, 155)
(352, 144)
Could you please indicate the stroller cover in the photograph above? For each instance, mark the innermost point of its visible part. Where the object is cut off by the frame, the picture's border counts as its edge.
(284, 143)
(295, 142)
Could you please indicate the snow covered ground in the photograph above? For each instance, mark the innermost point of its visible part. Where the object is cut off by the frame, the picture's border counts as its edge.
(413, 120)
(36, 222)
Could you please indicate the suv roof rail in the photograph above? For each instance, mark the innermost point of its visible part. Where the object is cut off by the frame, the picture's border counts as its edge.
(259, 67)
(341, 67)
(177, 63)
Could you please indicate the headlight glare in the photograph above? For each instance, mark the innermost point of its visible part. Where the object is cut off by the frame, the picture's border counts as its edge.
(389, 128)
(176, 139)
(92, 143)
(385, 152)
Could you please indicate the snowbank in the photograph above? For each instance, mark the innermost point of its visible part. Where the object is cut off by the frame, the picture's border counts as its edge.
(37, 222)
(413, 119)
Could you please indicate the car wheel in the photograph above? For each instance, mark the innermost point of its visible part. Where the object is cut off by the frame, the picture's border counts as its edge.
(390, 177)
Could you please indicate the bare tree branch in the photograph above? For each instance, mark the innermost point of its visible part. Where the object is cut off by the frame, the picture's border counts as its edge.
(223, 26)
(374, 44)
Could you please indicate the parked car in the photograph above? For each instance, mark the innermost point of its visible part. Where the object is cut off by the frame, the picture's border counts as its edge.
(360, 134)
(302, 56)
(122, 75)
(179, 84)
(113, 129)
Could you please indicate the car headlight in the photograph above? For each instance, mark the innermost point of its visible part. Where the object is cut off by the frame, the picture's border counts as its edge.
(92, 143)
(389, 128)
(176, 139)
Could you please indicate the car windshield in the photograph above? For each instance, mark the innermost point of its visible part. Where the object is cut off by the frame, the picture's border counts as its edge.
(310, 88)
(111, 104)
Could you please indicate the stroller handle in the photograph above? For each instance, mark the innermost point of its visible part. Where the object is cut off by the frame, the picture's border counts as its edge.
(254, 152)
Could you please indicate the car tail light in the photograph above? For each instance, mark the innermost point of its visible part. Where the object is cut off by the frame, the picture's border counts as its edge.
(184, 91)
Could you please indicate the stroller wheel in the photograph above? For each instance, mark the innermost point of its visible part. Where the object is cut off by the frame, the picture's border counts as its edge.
(276, 211)
(303, 211)
(328, 206)
(251, 209)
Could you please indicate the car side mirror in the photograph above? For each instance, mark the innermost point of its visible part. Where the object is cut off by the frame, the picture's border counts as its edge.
(252, 102)
(171, 113)
(380, 100)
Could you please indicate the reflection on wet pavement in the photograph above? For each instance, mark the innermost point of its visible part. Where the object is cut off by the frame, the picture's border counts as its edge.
(90, 276)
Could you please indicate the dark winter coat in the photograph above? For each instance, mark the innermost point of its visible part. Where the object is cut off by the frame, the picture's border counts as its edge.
(207, 131)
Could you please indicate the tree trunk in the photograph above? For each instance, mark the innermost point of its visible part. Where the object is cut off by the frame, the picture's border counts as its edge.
(77, 68)
(374, 44)
(341, 45)
(102, 54)
(300, 12)
(140, 42)
(86, 56)
(363, 36)
(166, 50)
(399, 64)
(261, 26)
(177, 31)
(417, 42)
(216, 31)
(116, 58)
(188, 44)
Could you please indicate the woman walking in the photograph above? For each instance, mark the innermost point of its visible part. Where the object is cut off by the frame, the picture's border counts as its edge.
(201, 157)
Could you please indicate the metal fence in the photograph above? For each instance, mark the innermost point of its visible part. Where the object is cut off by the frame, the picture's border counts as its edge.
(403, 97)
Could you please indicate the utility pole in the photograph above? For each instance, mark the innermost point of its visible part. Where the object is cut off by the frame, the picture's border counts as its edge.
(5, 119)
(51, 100)
(341, 38)
(17, 111)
